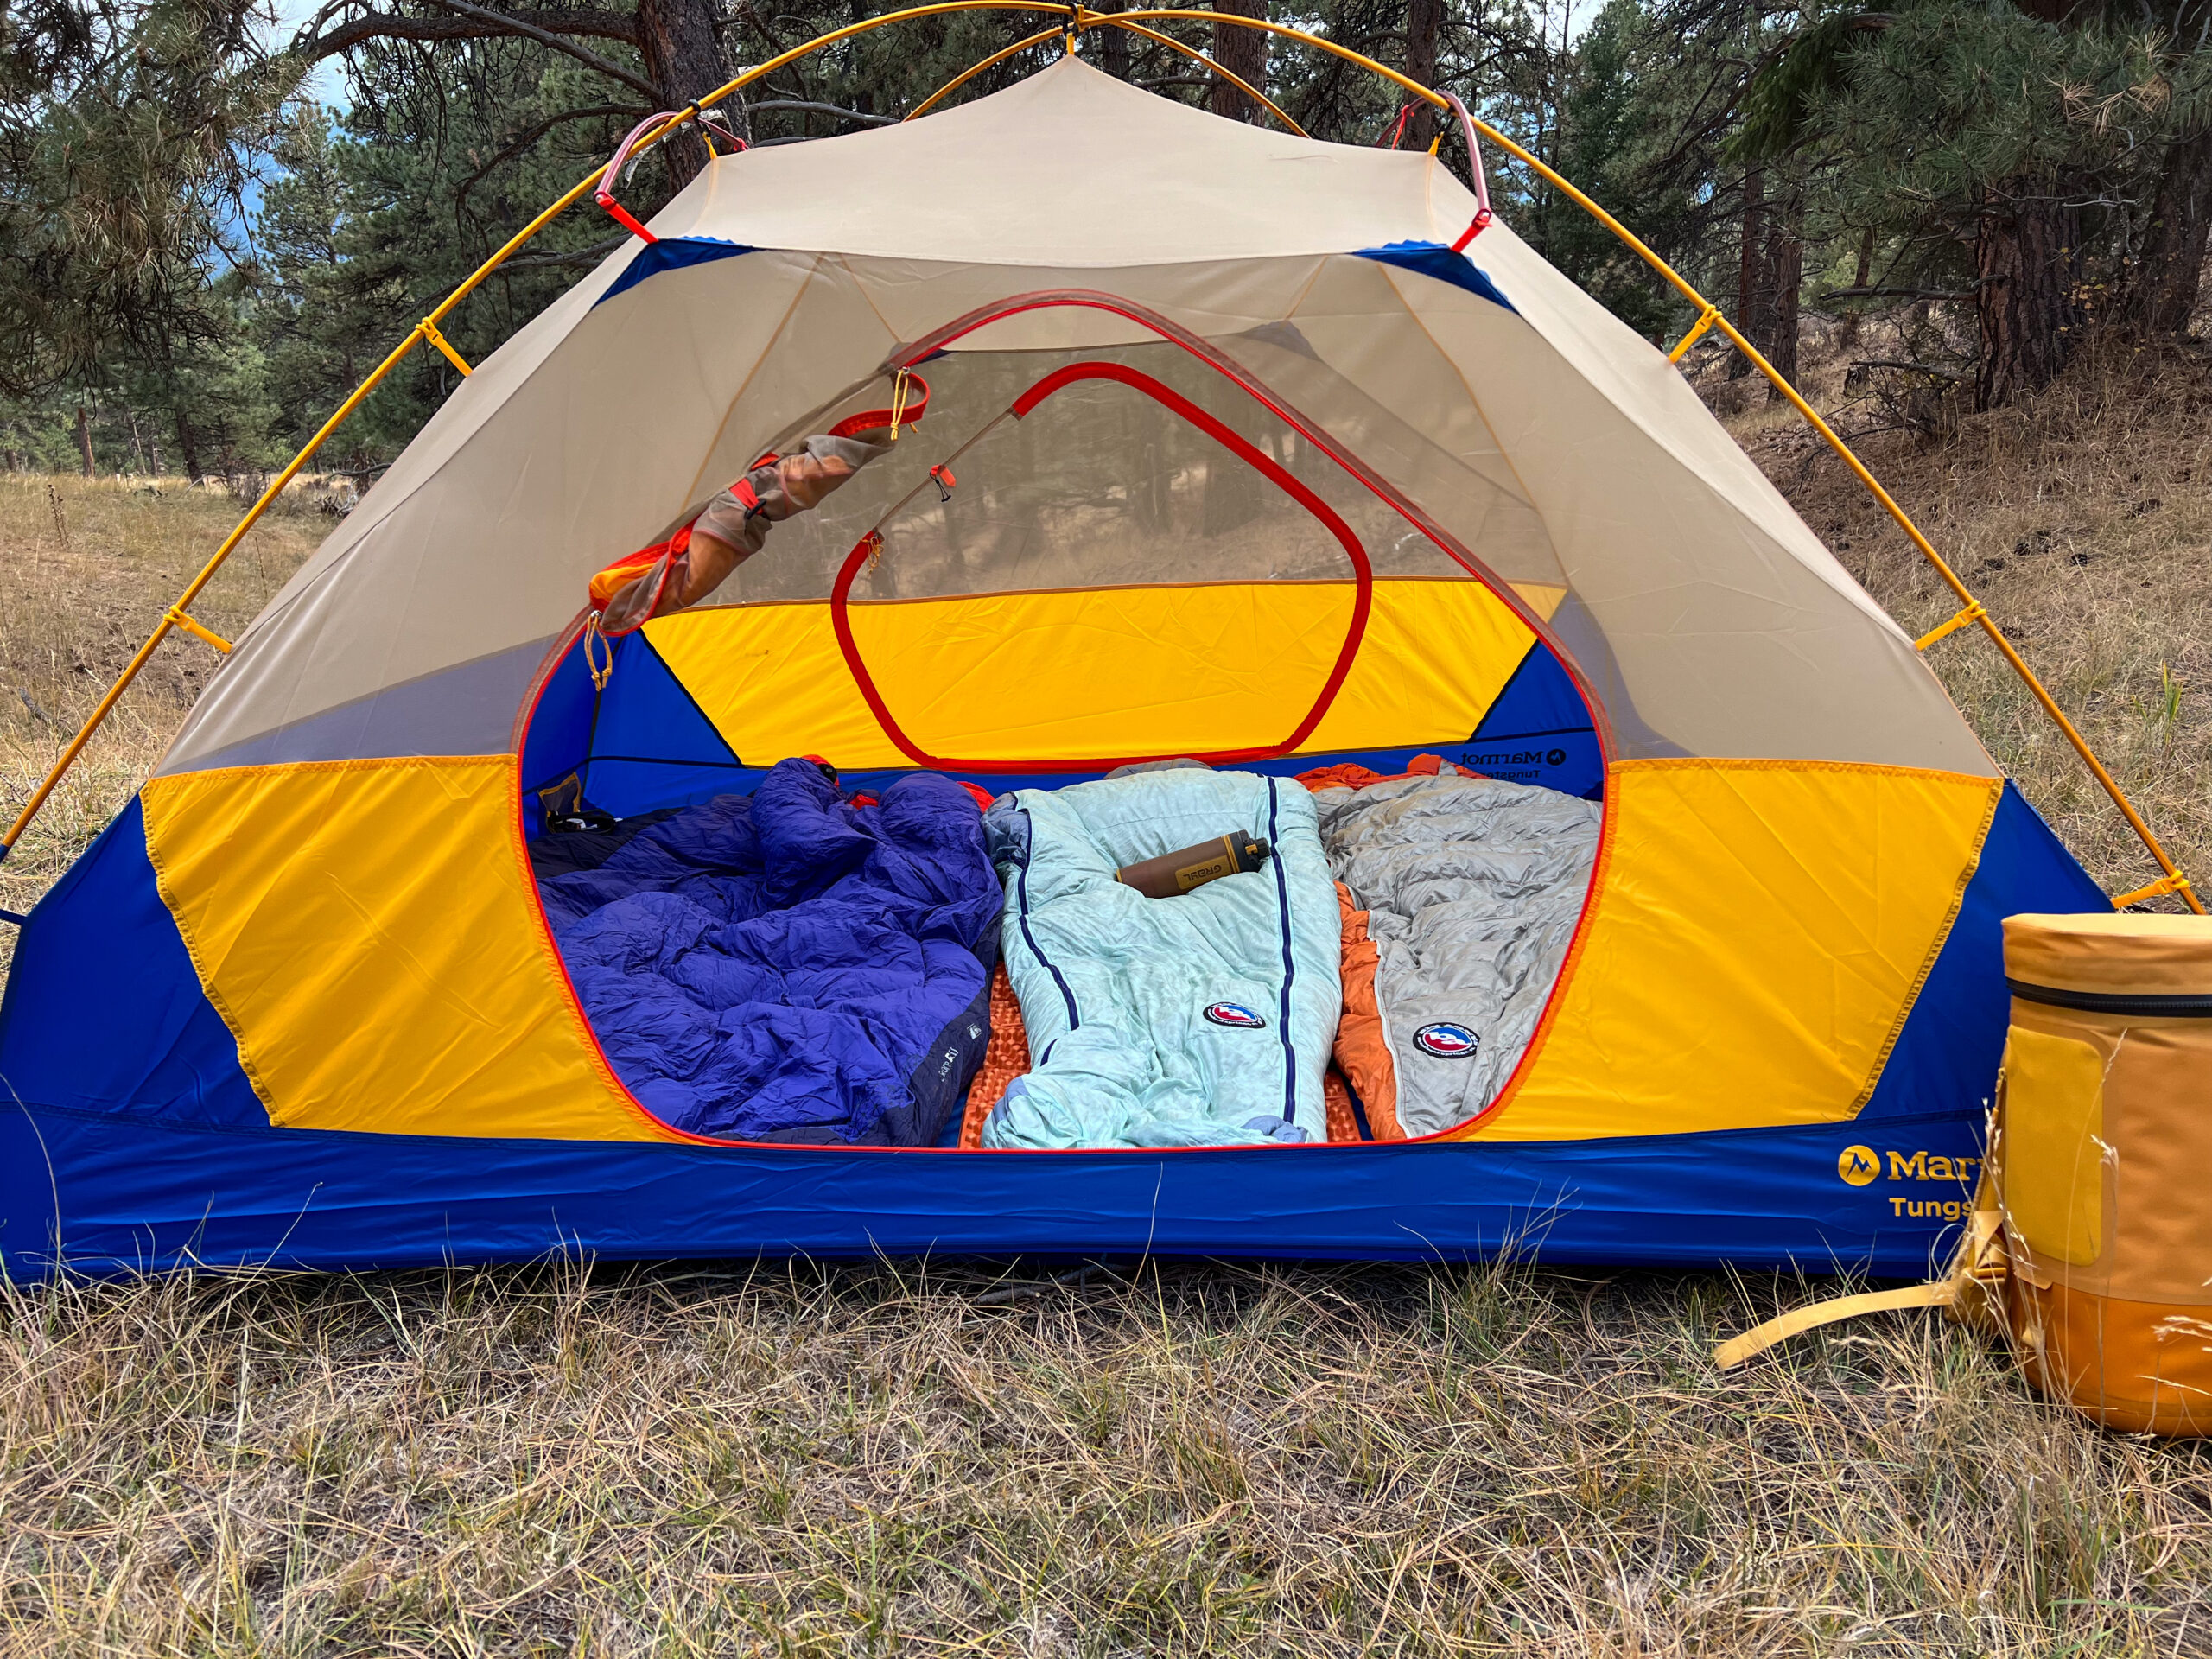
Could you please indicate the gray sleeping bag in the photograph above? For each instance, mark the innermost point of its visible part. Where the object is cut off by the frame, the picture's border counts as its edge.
(1472, 888)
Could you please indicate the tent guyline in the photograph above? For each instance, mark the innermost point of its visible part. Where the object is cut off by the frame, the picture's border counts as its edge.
(1071, 21)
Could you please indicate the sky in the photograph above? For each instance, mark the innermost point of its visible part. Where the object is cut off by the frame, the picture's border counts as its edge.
(326, 82)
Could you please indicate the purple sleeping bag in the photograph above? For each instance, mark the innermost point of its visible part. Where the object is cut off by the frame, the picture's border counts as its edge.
(787, 966)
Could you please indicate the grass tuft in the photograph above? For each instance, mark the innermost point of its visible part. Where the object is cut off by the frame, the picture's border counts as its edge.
(1180, 1458)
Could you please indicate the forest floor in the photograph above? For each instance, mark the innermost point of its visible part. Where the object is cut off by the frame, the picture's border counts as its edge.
(1186, 1458)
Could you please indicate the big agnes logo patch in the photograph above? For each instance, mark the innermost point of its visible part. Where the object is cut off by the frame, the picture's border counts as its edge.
(1447, 1040)
(1234, 1014)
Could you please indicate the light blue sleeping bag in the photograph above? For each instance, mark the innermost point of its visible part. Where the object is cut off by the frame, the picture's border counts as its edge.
(1204, 1019)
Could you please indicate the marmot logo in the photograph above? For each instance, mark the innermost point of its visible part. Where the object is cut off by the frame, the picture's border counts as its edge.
(1233, 1013)
(1446, 1041)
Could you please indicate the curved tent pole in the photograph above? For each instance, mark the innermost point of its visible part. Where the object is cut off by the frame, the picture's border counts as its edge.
(1120, 20)
(1055, 32)
(1079, 17)
(1088, 19)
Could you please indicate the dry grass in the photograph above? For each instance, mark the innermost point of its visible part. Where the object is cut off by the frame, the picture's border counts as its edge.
(1200, 1460)
(1183, 1459)
(2083, 521)
(90, 568)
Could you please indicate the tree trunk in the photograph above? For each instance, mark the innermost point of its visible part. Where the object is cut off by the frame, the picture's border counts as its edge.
(2166, 283)
(85, 438)
(1751, 297)
(1781, 274)
(1424, 28)
(2025, 251)
(683, 57)
(1243, 52)
(1865, 276)
(187, 447)
(1113, 44)
(1232, 499)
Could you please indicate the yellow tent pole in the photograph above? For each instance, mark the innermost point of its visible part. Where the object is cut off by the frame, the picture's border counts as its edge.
(1079, 18)
(976, 69)
(1119, 20)
(1152, 14)
(1088, 19)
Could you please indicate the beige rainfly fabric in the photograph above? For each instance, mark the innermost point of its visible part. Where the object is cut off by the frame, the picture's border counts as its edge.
(1563, 449)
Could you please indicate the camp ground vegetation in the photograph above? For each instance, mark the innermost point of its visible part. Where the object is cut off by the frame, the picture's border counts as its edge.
(1976, 230)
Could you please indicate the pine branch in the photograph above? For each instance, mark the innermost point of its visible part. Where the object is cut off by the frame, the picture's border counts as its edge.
(592, 255)
(810, 106)
(481, 23)
(1877, 291)
(536, 132)
(576, 19)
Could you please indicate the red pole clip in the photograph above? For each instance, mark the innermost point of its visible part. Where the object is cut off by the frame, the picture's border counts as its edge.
(612, 174)
(623, 217)
(1481, 222)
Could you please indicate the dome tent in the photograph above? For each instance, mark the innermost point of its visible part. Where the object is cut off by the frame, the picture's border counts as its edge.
(299, 1002)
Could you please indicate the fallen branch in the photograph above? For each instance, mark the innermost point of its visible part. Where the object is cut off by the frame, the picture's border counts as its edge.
(1906, 367)
(1006, 1294)
(1879, 292)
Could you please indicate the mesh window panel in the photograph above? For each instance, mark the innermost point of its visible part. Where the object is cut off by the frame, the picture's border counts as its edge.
(1102, 484)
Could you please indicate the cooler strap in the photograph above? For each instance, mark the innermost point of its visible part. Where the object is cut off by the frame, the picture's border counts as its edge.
(1940, 1292)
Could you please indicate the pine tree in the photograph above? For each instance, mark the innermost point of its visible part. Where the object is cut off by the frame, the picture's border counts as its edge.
(2044, 159)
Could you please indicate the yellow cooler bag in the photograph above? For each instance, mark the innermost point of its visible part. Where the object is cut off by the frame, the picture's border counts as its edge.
(2101, 1166)
(2091, 1239)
